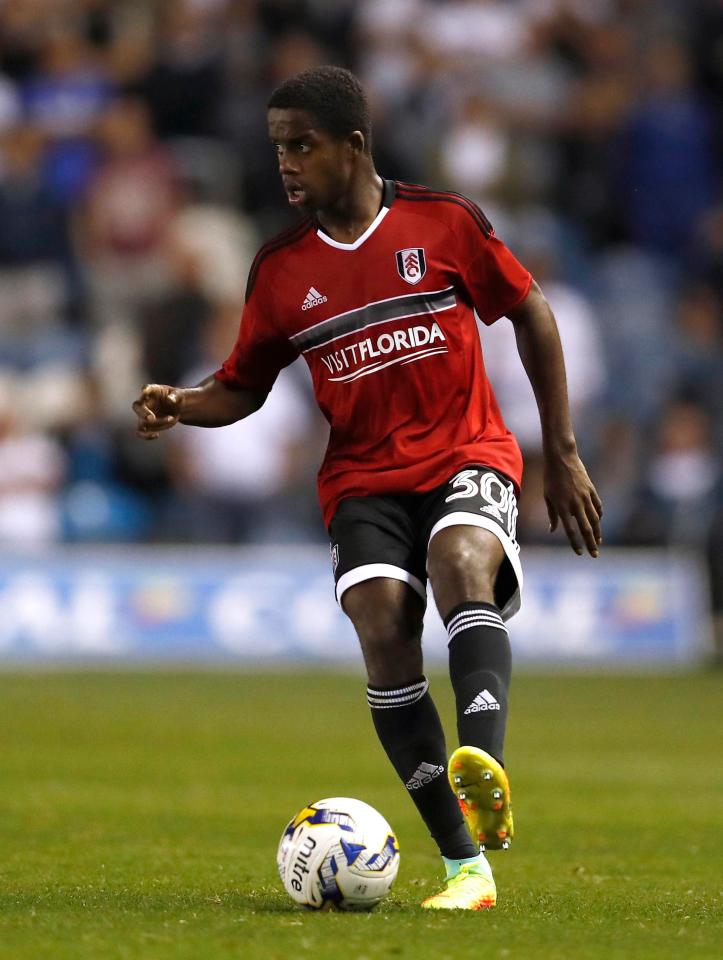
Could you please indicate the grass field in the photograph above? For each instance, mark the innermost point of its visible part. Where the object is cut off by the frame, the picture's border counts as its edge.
(139, 817)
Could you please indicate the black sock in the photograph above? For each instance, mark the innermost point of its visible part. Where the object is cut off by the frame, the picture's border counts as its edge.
(479, 667)
(408, 726)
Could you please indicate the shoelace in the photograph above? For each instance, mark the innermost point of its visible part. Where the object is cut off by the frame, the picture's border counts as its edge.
(465, 871)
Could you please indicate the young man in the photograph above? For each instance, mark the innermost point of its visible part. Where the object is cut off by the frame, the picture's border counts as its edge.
(377, 289)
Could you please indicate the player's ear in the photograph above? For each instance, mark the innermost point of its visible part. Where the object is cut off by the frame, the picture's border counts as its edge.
(356, 142)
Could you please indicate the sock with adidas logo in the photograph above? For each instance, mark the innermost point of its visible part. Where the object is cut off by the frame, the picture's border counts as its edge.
(479, 667)
(409, 728)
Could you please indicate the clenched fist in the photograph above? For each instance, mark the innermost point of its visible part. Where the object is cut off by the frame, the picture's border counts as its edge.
(158, 408)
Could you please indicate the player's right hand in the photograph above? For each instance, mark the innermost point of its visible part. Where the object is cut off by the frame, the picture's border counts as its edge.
(158, 408)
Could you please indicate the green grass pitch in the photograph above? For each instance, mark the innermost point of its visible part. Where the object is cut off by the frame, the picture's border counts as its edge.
(140, 813)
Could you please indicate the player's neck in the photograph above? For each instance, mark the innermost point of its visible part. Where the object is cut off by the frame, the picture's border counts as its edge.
(354, 213)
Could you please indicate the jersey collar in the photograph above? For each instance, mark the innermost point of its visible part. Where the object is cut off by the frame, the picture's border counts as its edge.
(388, 193)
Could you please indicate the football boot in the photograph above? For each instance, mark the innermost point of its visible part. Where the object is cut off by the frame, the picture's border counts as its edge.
(483, 792)
(472, 887)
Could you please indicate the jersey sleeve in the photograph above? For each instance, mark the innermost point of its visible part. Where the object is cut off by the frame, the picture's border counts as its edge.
(495, 280)
(260, 351)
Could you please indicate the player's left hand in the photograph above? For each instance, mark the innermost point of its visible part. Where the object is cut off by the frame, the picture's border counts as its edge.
(573, 501)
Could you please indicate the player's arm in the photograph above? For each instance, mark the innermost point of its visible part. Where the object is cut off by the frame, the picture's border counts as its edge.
(233, 392)
(210, 404)
(569, 493)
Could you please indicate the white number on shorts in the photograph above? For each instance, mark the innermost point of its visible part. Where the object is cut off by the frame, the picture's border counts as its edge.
(499, 496)
(464, 479)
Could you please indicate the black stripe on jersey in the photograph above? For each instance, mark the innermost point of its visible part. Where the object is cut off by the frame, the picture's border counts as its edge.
(381, 311)
(283, 239)
(423, 193)
(407, 191)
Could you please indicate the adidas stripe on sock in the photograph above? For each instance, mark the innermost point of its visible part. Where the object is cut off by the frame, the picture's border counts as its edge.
(480, 667)
(457, 622)
(409, 729)
(402, 696)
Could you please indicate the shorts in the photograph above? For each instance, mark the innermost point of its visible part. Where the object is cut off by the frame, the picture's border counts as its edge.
(389, 535)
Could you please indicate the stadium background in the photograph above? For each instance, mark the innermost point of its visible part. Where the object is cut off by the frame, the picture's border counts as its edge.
(136, 183)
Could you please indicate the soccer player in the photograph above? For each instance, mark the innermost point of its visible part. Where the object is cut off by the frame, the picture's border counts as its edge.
(377, 287)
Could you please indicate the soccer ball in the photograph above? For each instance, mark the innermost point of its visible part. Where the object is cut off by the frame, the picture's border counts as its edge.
(340, 853)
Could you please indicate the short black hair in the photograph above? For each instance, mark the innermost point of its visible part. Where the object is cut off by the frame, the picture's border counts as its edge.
(332, 95)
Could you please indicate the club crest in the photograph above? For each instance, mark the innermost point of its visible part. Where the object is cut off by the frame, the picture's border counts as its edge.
(411, 264)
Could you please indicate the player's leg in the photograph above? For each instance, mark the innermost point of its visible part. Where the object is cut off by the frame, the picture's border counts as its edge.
(464, 563)
(473, 564)
(387, 616)
(379, 567)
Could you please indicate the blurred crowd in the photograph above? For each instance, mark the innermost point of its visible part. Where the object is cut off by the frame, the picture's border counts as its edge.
(136, 183)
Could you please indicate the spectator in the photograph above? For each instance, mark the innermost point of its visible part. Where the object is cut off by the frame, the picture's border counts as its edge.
(698, 349)
(128, 207)
(31, 475)
(248, 482)
(222, 240)
(63, 98)
(36, 266)
(183, 85)
(709, 252)
(666, 160)
(9, 103)
(171, 324)
(682, 483)
(474, 30)
(584, 358)
(475, 155)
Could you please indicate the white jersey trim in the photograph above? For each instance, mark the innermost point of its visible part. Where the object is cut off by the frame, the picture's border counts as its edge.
(360, 240)
(472, 520)
(369, 571)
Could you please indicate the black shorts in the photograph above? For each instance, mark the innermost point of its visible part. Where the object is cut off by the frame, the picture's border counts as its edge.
(388, 536)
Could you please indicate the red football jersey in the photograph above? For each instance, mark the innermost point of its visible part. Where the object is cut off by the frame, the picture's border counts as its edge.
(386, 325)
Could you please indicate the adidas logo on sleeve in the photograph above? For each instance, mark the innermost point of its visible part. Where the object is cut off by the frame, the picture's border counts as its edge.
(424, 774)
(313, 298)
(483, 701)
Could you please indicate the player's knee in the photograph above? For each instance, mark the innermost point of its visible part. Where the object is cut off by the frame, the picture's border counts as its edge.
(384, 608)
(463, 564)
(463, 569)
(392, 666)
(380, 630)
(387, 616)
(391, 646)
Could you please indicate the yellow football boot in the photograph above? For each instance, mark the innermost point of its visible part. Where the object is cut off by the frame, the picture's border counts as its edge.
(471, 888)
(483, 791)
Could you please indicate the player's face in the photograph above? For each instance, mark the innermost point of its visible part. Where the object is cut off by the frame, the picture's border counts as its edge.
(315, 167)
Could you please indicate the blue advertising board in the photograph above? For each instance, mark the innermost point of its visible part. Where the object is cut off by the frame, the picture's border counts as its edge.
(275, 605)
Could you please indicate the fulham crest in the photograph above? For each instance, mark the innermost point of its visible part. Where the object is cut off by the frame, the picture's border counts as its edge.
(411, 264)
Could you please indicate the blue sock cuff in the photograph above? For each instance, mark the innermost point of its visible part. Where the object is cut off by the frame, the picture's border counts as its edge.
(452, 867)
